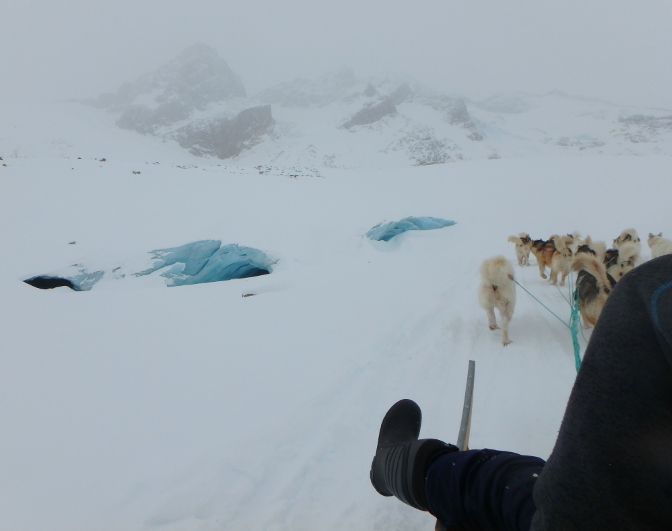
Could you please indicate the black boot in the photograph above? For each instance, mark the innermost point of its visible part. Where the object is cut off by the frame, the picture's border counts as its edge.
(401, 460)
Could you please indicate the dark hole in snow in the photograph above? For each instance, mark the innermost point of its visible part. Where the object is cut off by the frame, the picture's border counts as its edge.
(50, 283)
(79, 279)
(255, 272)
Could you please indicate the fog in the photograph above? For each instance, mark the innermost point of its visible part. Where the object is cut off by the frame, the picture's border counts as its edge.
(618, 50)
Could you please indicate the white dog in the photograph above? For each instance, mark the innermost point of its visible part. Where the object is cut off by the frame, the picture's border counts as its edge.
(629, 239)
(523, 246)
(497, 290)
(659, 245)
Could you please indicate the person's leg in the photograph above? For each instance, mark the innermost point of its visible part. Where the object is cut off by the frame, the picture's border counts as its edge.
(484, 490)
(479, 490)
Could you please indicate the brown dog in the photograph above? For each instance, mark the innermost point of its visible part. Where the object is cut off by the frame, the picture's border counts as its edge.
(592, 286)
(543, 251)
(562, 257)
(556, 254)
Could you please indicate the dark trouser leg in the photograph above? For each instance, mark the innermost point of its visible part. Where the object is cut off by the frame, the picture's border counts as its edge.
(483, 490)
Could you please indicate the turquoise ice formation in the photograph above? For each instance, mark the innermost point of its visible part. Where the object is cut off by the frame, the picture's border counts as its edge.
(208, 261)
(386, 231)
(193, 263)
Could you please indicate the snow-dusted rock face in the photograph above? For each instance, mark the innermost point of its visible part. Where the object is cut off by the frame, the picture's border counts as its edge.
(640, 128)
(401, 94)
(341, 121)
(372, 113)
(224, 137)
(195, 99)
(193, 80)
(455, 112)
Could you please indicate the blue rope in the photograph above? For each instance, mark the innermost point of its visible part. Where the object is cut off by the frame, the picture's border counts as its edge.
(574, 320)
(574, 326)
(558, 318)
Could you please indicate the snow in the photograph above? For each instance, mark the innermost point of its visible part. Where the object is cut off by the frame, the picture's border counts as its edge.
(135, 407)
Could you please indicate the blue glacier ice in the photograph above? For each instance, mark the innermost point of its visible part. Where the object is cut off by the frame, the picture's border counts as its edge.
(194, 256)
(386, 231)
(208, 261)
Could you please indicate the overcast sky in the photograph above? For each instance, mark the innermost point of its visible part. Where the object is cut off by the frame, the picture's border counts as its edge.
(619, 50)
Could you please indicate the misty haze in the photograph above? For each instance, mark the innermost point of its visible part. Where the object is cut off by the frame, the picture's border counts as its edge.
(317, 185)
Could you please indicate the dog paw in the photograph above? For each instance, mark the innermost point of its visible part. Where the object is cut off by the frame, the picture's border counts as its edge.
(544, 276)
(493, 327)
(508, 342)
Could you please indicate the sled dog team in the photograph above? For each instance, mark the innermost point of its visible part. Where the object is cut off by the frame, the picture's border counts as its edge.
(598, 271)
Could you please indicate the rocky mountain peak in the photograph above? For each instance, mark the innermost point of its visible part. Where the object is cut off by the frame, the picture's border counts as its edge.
(197, 77)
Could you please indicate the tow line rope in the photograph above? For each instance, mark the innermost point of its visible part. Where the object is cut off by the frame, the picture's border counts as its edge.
(573, 322)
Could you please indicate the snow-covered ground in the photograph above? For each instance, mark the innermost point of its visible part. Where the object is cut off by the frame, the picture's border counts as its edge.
(136, 406)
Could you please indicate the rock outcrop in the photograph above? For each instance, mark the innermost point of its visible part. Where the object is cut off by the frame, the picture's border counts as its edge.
(224, 137)
(164, 103)
(372, 114)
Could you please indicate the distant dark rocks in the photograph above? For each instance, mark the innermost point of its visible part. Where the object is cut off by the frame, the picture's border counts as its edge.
(370, 91)
(401, 94)
(226, 137)
(372, 114)
(455, 112)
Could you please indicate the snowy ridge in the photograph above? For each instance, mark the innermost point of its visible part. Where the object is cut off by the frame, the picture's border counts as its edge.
(340, 120)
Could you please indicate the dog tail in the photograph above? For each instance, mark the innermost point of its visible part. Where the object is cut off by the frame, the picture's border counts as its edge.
(629, 252)
(516, 240)
(627, 257)
(497, 271)
(628, 235)
(562, 244)
(593, 266)
(597, 247)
